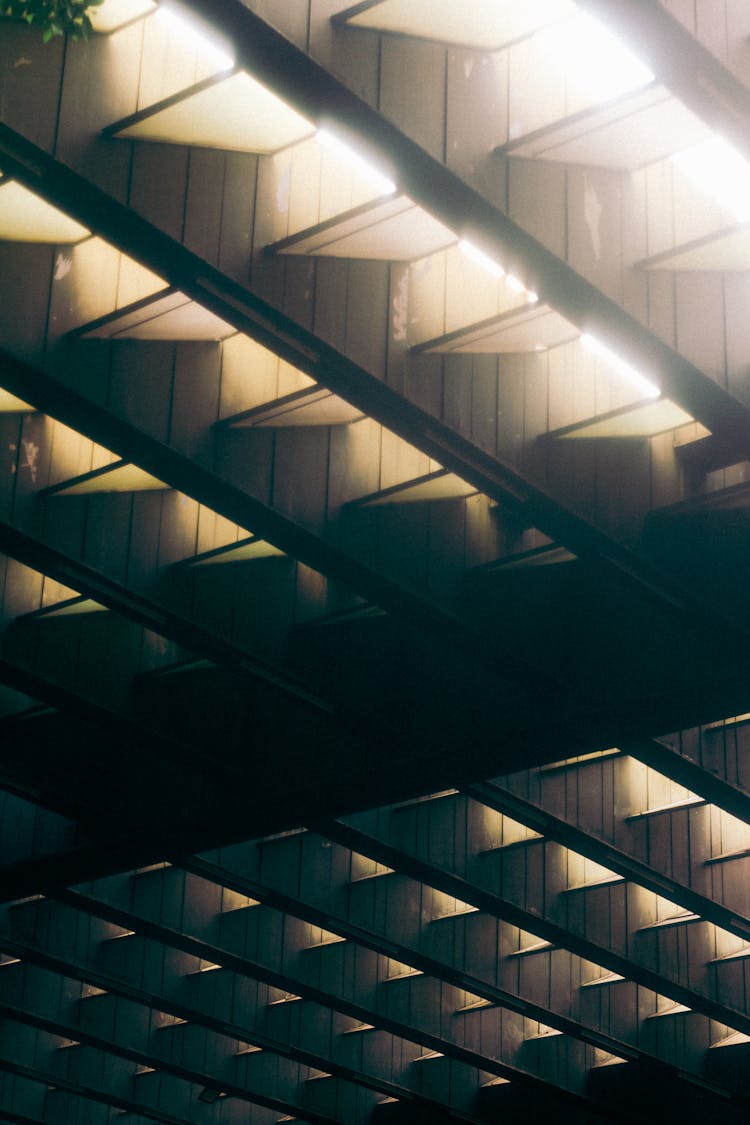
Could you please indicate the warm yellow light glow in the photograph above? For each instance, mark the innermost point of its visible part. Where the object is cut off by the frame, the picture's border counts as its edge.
(364, 868)
(355, 1028)
(513, 832)
(476, 255)
(592, 58)
(717, 169)
(521, 329)
(26, 217)
(332, 143)
(730, 946)
(542, 1031)
(494, 269)
(244, 551)
(236, 113)
(115, 932)
(233, 900)
(9, 404)
(730, 721)
(628, 373)
(641, 420)
(625, 134)
(385, 229)
(412, 802)
(184, 29)
(592, 756)
(320, 937)
(518, 287)
(434, 486)
(313, 406)
(533, 945)
(73, 607)
(397, 970)
(668, 806)
(112, 14)
(735, 1039)
(604, 978)
(121, 477)
(585, 872)
(486, 24)
(165, 316)
(448, 906)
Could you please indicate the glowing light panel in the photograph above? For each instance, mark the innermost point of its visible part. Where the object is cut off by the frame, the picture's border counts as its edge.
(120, 477)
(636, 380)
(496, 270)
(333, 144)
(192, 34)
(236, 113)
(476, 255)
(593, 58)
(717, 169)
(112, 14)
(486, 24)
(26, 217)
(10, 404)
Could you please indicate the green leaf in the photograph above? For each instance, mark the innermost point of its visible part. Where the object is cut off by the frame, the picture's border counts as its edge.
(54, 17)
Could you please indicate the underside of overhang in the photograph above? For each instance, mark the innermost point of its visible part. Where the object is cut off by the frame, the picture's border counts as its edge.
(375, 637)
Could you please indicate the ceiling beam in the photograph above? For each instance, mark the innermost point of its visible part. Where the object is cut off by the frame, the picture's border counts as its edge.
(485, 900)
(682, 63)
(160, 1063)
(288, 982)
(200, 1018)
(90, 1093)
(201, 484)
(608, 855)
(242, 308)
(146, 611)
(687, 772)
(296, 77)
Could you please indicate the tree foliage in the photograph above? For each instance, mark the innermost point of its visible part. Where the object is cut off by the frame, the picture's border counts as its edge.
(54, 17)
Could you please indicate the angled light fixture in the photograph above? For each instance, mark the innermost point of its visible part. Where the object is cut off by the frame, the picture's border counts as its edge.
(187, 29)
(718, 169)
(496, 270)
(484, 260)
(621, 367)
(518, 287)
(110, 14)
(592, 57)
(209, 1095)
(335, 145)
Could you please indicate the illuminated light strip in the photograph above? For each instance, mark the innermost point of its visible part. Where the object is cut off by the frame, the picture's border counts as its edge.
(476, 255)
(193, 34)
(495, 269)
(592, 58)
(638, 381)
(26, 216)
(109, 15)
(339, 148)
(518, 287)
(717, 169)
